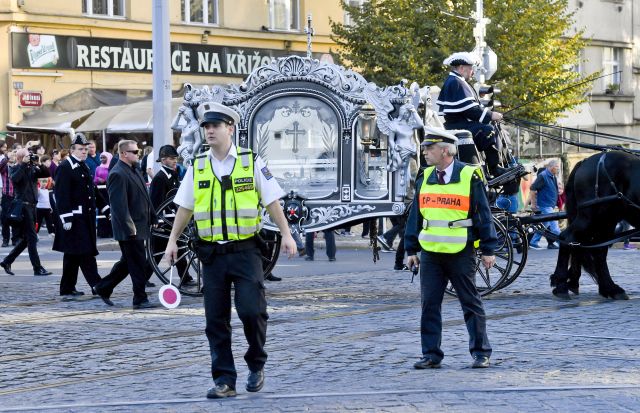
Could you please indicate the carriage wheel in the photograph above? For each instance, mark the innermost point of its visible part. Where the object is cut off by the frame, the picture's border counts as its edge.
(271, 251)
(489, 281)
(520, 243)
(187, 275)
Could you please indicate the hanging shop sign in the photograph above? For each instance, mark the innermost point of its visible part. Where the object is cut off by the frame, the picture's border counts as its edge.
(32, 50)
(30, 99)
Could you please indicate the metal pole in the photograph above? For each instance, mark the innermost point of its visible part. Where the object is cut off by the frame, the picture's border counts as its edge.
(479, 32)
(161, 44)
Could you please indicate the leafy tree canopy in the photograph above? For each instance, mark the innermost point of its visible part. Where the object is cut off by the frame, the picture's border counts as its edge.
(392, 40)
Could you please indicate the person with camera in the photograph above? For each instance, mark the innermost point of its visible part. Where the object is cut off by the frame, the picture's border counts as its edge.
(25, 178)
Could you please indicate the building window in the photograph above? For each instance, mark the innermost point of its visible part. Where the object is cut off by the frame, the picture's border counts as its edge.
(284, 15)
(199, 11)
(611, 60)
(352, 3)
(108, 8)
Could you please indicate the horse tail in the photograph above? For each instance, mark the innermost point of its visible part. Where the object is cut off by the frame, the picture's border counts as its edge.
(588, 264)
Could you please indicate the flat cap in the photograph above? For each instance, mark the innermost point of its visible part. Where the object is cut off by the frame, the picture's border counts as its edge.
(461, 58)
(216, 112)
(437, 135)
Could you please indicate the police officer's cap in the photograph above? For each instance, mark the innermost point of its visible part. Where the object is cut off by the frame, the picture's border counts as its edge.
(167, 151)
(79, 139)
(437, 135)
(209, 112)
(461, 58)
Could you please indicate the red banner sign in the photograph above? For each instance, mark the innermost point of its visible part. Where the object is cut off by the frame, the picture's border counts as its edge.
(31, 99)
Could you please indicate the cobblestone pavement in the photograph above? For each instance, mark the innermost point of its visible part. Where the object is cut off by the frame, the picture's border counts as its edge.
(343, 336)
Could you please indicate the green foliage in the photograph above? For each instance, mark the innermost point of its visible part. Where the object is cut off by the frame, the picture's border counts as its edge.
(395, 39)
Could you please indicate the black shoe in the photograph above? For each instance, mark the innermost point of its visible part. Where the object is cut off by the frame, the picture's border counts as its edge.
(332, 258)
(143, 305)
(426, 363)
(271, 277)
(7, 268)
(480, 362)
(189, 282)
(149, 284)
(383, 242)
(5, 244)
(553, 246)
(41, 271)
(308, 258)
(255, 381)
(14, 243)
(401, 267)
(105, 297)
(74, 293)
(220, 391)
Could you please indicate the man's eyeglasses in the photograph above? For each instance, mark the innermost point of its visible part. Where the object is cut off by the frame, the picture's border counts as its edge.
(136, 152)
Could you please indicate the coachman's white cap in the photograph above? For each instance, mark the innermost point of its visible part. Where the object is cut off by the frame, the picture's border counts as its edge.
(436, 135)
(216, 112)
(461, 58)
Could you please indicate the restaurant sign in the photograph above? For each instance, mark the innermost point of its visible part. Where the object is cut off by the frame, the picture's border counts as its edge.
(32, 50)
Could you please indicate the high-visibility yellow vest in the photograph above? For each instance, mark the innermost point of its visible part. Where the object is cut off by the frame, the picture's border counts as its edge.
(230, 215)
(445, 213)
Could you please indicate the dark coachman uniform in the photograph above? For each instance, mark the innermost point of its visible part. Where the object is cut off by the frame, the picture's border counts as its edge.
(460, 106)
(74, 193)
(445, 220)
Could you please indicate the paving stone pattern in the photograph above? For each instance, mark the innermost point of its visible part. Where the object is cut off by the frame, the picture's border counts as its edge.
(340, 338)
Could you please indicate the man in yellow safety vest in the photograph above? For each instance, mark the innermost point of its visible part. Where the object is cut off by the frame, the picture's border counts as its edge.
(223, 190)
(449, 214)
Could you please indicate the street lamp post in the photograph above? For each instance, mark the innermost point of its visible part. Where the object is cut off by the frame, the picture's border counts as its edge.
(161, 44)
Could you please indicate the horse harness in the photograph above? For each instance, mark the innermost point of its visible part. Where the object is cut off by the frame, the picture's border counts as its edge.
(609, 198)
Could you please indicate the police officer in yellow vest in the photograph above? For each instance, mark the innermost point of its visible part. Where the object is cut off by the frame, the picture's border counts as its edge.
(224, 190)
(449, 214)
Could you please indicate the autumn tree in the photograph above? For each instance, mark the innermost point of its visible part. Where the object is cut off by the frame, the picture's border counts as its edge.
(534, 39)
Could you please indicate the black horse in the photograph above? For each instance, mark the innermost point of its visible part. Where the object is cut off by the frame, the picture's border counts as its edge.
(601, 191)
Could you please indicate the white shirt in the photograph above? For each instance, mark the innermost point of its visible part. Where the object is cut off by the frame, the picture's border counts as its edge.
(266, 185)
(447, 173)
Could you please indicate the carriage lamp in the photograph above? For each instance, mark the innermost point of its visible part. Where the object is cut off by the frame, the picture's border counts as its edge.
(366, 133)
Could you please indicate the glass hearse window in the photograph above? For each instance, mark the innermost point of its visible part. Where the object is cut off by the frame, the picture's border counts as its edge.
(371, 159)
(298, 137)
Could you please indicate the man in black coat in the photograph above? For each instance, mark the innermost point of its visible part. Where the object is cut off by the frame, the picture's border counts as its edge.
(132, 215)
(76, 229)
(164, 185)
(25, 177)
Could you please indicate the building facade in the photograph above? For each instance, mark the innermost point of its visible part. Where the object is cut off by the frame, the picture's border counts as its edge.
(100, 51)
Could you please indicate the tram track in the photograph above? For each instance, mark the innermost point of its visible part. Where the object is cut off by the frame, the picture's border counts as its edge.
(257, 398)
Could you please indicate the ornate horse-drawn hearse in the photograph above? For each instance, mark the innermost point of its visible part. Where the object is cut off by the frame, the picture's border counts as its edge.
(341, 148)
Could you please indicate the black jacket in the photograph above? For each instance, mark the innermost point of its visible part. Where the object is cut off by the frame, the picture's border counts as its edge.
(74, 194)
(132, 213)
(479, 212)
(163, 186)
(25, 178)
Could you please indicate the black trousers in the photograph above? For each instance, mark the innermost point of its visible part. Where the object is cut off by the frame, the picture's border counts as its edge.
(70, 265)
(435, 270)
(6, 227)
(26, 232)
(132, 262)
(44, 214)
(244, 270)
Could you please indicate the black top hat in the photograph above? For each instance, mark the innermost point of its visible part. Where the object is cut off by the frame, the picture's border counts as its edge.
(167, 151)
(79, 139)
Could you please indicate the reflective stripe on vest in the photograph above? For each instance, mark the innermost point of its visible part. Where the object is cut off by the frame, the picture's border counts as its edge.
(445, 209)
(237, 215)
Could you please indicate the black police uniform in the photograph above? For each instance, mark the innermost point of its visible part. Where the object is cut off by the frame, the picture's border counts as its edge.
(74, 192)
(436, 269)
